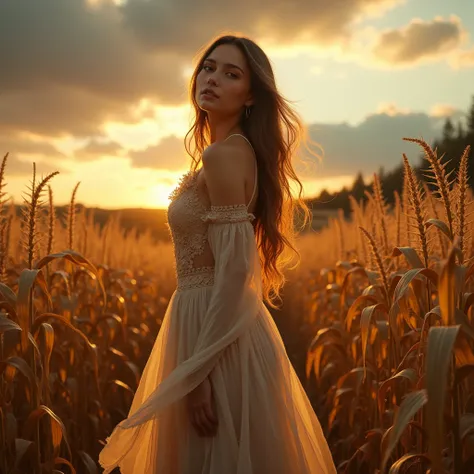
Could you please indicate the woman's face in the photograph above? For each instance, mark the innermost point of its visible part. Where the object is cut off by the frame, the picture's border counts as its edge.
(226, 73)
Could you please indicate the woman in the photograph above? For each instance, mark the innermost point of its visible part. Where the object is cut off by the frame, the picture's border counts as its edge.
(218, 394)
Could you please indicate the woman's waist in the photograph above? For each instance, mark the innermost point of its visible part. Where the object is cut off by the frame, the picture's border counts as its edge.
(196, 278)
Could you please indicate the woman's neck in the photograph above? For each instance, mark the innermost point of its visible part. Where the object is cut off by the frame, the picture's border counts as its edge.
(220, 131)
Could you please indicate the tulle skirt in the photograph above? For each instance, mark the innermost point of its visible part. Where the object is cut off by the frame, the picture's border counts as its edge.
(265, 421)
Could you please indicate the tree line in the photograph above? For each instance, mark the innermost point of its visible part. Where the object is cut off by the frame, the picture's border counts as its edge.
(455, 137)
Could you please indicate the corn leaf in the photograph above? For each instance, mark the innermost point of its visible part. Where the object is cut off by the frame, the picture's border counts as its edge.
(408, 408)
(441, 226)
(402, 465)
(439, 354)
(410, 254)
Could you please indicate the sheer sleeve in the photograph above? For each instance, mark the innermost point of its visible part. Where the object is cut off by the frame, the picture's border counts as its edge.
(236, 295)
(234, 304)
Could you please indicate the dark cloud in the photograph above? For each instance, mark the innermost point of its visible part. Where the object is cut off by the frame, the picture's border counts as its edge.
(28, 146)
(169, 153)
(418, 40)
(17, 167)
(23, 151)
(95, 149)
(24, 167)
(59, 110)
(186, 24)
(375, 142)
(67, 68)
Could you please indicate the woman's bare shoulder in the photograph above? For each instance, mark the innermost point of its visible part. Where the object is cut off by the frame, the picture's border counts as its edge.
(226, 170)
(233, 156)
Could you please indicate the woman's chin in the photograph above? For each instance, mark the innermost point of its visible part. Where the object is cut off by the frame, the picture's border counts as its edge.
(208, 108)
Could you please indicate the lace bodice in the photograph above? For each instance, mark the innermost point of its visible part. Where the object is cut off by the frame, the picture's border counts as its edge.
(189, 217)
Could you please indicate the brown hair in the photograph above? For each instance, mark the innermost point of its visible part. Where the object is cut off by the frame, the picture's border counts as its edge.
(275, 131)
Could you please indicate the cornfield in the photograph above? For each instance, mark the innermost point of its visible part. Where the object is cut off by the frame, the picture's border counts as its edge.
(378, 322)
(389, 310)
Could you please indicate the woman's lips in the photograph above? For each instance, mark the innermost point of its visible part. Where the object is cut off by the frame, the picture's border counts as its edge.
(208, 95)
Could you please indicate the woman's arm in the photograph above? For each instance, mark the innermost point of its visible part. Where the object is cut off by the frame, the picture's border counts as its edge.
(237, 291)
(225, 178)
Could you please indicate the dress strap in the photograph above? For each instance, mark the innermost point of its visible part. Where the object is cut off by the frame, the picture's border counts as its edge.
(256, 169)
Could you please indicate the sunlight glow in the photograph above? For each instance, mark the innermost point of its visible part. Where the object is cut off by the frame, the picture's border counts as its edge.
(312, 188)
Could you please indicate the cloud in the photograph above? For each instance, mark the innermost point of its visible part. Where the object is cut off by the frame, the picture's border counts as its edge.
(23, 168)
(17, 167)
(28, 146)
(446, 110)
(95, 149)
(56, 111)
(464, 58)
(419, 41)
(392, 109)
(157, 25)
(376, 141)
(76, 68)
(88, 62)
(169, 154)
(23, 151)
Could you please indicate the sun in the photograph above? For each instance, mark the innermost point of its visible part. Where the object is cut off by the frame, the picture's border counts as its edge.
(159, 195)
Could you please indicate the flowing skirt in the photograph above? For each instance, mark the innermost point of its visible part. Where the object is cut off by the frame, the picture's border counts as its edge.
(265, 421)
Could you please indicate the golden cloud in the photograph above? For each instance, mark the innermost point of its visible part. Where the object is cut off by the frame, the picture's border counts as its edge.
(419, 41)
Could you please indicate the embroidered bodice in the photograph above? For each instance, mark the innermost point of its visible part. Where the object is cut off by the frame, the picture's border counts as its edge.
(188, 232)
(189, 215)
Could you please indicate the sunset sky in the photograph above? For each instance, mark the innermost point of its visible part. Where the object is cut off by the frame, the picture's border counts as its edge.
(98, 89)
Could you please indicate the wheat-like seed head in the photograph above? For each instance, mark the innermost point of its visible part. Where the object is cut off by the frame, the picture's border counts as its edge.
(398, 218)
(430, 201)
(378, 260)
(380, 206)
(3, 260)
(2, 184)
(51, 222)
(416, 202)
(441, 178)
(71, 219)
(31, 237)
(340, 229)
(462, 187)
(405, 210)
(358, 219)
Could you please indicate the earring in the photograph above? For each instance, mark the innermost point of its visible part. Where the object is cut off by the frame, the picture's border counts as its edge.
(247, 112)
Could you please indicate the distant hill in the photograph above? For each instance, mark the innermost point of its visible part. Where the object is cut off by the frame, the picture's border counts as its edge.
(143, 220)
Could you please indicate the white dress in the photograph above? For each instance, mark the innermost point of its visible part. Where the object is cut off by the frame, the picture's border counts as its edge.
(216, 325)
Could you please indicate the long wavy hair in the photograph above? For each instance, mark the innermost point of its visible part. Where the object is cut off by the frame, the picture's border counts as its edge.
(275, 131)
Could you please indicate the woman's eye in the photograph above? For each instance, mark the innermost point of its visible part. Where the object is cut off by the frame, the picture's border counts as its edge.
(234, 76)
